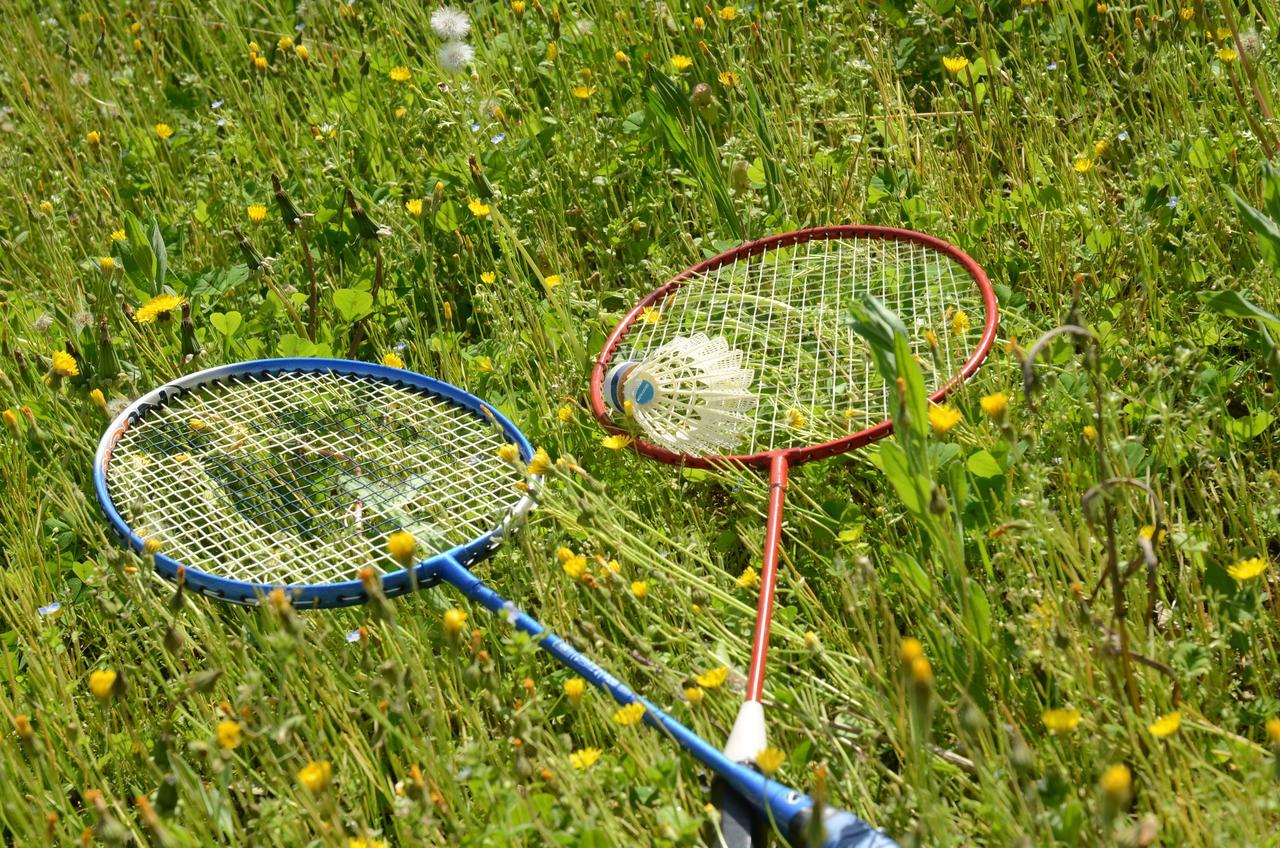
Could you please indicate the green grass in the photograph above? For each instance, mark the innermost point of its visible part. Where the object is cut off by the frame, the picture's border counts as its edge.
(1084, 151)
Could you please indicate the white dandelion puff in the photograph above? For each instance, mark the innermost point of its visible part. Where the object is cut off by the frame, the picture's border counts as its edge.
(455, 56)
(584, 27)
(44, 322)
(450, 23)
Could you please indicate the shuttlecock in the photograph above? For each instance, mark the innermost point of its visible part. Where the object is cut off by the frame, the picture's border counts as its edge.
(691, 395)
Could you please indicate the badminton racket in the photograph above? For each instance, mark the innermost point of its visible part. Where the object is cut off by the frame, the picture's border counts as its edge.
(778, 310)
(293, 473)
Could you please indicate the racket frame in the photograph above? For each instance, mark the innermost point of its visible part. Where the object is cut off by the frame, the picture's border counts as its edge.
(343, 593)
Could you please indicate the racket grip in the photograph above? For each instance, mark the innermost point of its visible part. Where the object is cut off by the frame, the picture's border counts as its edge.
(840, 830)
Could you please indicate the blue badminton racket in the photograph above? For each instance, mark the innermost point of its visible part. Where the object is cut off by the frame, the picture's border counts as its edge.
(293, 473)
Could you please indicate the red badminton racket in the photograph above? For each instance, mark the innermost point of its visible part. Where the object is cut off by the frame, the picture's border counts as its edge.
(749, 358)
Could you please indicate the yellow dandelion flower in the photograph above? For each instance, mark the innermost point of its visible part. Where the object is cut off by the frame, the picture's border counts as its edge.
(361, 842)
(910, 650)
(64, 364)
(400, 74)
(483, 363)
(315, 775)
(1223, 33)
(630, 714)
(1060, 720)
(650, 315)
(770, 760)
(748, 579)
(99, 399)
(617, 441)
(164, 131)
(728, 79)
(921, 671)
(403, 547)
(552, 51)
(575, 567)
(257, 213)
(541, 462)
(960, 323)
(414, 207)
(1226, 54)
(302, 52)
(943, 417)
(1166, 725)
(714, 678)
(551, 280)
(260, 63)
(1187, 13)
(1101, 146)
(1247, 569)
(1083, 165)
(393, 360)
(488, 278)
(228, 734)
(640, 588)
(118, 235)
(583, 92)
(518, 6)
(509, 452)
(565, 414)
(454, 621)
(574, 688)
(93, 137)
(811, 641)
(995, 405)
(478, 208)
(1273, 730)
(1102, 8)
(795, 419)
(1116, 782)
(1089, 432)
(694, 694)
(285, 42)
(159, 307)
(586, 757)
(681, 62)
(102, 682)
(622, 59)
(954, 64)
(699, 23)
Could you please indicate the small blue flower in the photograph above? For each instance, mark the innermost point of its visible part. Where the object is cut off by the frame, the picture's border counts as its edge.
(464, 774)
(510, 613)
(1053, 66)
(217, 103)
(354, 635)
(298, 27)
(1172, 202)
(498, 139)
(1124, 136)
(475, 127)
(401, 345)
(50, 608)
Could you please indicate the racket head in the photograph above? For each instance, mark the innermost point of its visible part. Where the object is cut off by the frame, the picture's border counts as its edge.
(633, 335)
(147, 470)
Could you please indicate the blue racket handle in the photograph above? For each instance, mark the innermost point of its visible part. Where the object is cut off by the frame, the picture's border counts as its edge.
(784, 807)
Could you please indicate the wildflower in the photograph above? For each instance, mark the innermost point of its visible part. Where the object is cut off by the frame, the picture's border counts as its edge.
(1166, 725)
(630, 714)
(64, 364)
(1247, 569)
(164, 131)
(1101, 146)
(518, 6)
(152, 546)
(107, 263)
(1102, 8)
(1273, 730)
(1089, 432)
(584, 92)
(509, 452)
(574, 688)
(714, 678)
(921, 671)
(118, 235)
(228, 734)
(51, 608)
(361, 842)
(995, 405)
(478, 208)
(393, 360)
(942, 417)
(728, 13)
(622, 59)
(102, 682)
(1116, 782)
(315, 776)
(748, 579)
(260, 63)
(488, 277)
(770, 760)
(811, 641)
(1226, 54)
(694, 694)
(699, 23)
(565, 414)
(400, 74)
(454, 56)
(616, 442)
(284, 43)
(414, 207)
(954, 64)
(585, 758)
(541, 462)
(575, 566)
(257, 213)
(680, 62)
(1060, 720)
(728, 79)
(158, 308)
(1187, 13)
(99, 399)
(450, 23)
(640, 588)
(795, 419)
(302, 52)
(1223, 33)
(93, 137)
(960, 322)
(22, 726)
(447, 308)
(10, 420)
(454, 620)
(551, 280)
(402, 547)
(651, 315)
(1083, 165)
(552, 51)
(910, 650)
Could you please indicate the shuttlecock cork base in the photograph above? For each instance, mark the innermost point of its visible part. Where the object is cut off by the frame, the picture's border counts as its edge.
(691, 395)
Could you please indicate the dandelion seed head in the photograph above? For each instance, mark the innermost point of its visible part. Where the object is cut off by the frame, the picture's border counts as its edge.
(450, 23)
(455, 56)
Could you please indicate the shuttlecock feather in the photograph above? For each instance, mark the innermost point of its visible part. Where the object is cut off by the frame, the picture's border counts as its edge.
(691, 395)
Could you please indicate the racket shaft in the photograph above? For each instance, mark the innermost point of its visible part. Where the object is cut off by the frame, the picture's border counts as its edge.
(768, 577)
(784, 806)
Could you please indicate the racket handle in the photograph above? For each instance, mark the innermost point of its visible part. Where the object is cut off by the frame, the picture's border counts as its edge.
(840, 830)
(741, 825)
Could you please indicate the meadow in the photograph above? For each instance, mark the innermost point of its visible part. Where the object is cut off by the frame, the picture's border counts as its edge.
(1076, 641)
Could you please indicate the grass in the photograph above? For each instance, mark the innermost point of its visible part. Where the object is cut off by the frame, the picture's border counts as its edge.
(1083, 156)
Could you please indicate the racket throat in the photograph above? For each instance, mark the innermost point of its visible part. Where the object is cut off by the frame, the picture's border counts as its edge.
(748, 737)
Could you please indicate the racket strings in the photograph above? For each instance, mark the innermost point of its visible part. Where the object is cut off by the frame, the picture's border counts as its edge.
(299, 477)
(788, 311)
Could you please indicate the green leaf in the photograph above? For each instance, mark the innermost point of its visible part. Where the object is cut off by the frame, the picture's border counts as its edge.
(911, 572)
(295, 345)
(1236, 305)
(1250, 426)
(983, 464)
(353, 304)
(634, 123)
(978, 612)
(893, 461)
(1204, 154)
(878, 324)
(1266, 229)
(160, 253)
(226, 322)
(446, 219)
(140, 264)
